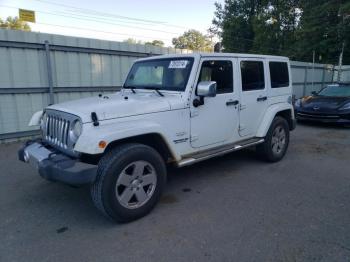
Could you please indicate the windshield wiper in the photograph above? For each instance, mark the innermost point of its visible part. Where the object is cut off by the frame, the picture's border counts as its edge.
(155, 89)
(132, 88)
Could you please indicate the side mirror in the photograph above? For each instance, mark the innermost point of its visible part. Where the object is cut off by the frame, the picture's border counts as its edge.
(314, 93)
(206, 89)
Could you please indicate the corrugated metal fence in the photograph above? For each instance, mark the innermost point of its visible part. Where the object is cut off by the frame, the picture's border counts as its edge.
(39, 69)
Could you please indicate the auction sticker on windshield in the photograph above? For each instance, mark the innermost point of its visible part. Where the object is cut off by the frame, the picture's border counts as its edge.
(178, 64)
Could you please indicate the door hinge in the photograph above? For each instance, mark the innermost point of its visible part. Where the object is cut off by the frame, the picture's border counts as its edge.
(194, 113)
(241, 107)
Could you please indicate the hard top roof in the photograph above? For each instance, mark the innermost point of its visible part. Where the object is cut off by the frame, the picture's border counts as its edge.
(220, 55)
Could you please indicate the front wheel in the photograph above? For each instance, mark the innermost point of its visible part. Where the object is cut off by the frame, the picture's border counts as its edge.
(276, 141)
(130, 180)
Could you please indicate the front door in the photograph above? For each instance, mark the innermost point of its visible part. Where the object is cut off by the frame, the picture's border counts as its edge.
(217, 120)
(253, 96)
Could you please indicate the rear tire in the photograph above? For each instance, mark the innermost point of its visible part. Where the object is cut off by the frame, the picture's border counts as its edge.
(130, 180)
(276, 141)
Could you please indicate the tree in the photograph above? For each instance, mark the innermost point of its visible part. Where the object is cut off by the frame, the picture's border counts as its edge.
(325, 27)
(256, 26)
(14, 23)
(159, 43)
(275, 27)
(193, 40)
(133, 41)
(233, 23)
(293, 28)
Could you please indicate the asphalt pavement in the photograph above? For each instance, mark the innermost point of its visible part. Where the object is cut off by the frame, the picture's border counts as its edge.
(231, 208)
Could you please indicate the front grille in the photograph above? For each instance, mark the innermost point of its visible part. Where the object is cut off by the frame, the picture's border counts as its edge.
(56, 130)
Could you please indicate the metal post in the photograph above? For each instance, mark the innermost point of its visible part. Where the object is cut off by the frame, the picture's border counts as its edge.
(49, 72)
(333, 69)
(340, 62)
(313, 69)
(323, 75)
(305, 81)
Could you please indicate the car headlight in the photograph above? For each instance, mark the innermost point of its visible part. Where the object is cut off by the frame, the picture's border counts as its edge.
(345, 107)
(75, 131)
(297, 103)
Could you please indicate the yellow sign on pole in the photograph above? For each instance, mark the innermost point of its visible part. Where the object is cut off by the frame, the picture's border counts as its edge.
(27, 15)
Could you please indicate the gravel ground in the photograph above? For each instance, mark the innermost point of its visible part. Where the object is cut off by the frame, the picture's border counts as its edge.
(232, 208)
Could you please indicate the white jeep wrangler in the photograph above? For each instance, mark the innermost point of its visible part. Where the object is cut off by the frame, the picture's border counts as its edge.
(172, 109)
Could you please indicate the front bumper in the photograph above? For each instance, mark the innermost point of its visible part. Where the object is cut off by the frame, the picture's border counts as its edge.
(323, 117)
(55, 166)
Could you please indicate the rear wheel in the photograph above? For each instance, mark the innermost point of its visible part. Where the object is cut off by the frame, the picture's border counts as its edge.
(130, 180)
(276, 141)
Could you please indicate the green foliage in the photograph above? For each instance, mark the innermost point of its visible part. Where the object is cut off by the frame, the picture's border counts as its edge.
(139, 42)
(293, 28)
(234, 23)
(14, 23)
(133, 41)
(193, 40)
(324, 28)
(159, 43)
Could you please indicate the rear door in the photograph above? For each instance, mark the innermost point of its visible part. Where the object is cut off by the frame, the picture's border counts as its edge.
(254, 96)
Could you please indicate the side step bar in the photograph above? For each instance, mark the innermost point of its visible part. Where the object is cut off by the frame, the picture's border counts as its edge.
(216, 152)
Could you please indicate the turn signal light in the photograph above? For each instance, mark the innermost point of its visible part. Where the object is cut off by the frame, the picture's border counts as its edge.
(102, 144)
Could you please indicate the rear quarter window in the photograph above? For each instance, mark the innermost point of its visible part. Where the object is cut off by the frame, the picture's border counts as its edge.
(279, 74)
(252, 73)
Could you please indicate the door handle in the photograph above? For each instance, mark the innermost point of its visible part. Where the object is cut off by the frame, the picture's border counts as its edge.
(262, 98)
(232, 103)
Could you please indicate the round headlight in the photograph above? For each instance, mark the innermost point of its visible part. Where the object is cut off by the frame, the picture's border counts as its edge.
(76, 130)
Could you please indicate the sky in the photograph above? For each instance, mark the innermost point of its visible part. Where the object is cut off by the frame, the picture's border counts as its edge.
(116, 20)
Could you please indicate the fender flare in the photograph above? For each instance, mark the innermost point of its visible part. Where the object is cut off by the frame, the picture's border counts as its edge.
(35, 119)
(270, 114)
(88, 141)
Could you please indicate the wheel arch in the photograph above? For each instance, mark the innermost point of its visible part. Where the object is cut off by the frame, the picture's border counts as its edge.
(154, 140)
(282, 110)
(288, 115)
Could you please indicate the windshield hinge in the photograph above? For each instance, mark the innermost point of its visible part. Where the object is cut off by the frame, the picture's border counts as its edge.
(94, 119)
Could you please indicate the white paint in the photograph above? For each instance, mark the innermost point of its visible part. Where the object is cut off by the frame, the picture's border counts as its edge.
(35, 120)
(127, 114)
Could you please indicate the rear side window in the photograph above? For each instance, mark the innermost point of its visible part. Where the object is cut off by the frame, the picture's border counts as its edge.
(219, 71)
(252, 75)
(279, 74)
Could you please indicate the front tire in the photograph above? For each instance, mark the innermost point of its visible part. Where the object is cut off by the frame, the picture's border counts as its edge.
(276, 141)
(130, 180)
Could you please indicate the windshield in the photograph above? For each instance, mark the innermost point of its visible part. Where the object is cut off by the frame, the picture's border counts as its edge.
(335, 91)
(164, 74)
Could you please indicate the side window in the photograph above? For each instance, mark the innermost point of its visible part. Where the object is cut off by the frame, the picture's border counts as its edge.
(252, 75)
(279, 74)
(219, 71)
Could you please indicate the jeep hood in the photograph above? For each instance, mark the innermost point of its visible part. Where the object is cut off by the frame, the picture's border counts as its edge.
(120, 105)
